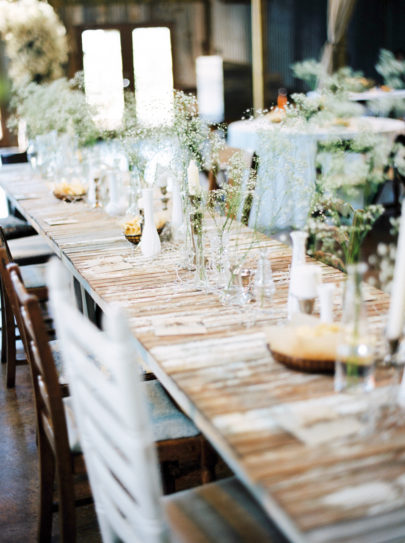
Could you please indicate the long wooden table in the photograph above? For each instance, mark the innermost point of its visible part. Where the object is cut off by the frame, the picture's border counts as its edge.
(226, 380)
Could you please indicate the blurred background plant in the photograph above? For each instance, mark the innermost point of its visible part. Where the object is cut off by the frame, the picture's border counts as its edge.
(59, 105)
(35, 40)
(345, 79)
(391, 69)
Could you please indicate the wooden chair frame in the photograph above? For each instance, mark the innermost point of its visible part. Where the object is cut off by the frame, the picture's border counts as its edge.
(56, 460)
(8, 331)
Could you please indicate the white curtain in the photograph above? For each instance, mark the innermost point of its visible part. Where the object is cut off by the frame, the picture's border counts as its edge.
(339, 14)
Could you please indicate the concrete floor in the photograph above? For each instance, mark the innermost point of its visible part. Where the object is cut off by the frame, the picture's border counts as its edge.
(19, 470)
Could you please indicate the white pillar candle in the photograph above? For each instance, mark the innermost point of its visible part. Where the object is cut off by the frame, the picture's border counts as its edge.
(305, 281)
(397, 303)
(193, 178)
(326, 292)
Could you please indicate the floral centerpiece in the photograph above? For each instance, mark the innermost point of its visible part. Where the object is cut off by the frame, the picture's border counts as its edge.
(391, 69)
(35, 41)
(59, 106)
(313, 73)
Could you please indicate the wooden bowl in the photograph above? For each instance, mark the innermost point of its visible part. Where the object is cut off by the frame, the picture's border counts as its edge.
(303, 364)
(69, 197)
(134, 238)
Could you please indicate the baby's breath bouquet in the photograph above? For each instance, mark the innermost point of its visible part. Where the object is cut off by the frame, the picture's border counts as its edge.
(350, 172)
(391, 69)
(337, 230)
(231, 200)
(35, 41)
(345, 79)
(323, 107)
(229, 207)
(56, 106)
(193, 135)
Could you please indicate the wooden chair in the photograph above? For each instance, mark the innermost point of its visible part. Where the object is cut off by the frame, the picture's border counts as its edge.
(60, 455)
(34, 278)
(110, 404)
(218, 176)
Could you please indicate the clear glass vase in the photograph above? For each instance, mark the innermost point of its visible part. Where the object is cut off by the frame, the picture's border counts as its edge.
(219, 242)
(354, 370)
(234, 293)
(200, 274)
(264, 287)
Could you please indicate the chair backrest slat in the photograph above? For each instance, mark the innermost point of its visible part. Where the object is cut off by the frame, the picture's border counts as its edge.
(110, 407)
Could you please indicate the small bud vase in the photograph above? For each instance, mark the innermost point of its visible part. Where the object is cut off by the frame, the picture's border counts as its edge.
(299, 240)
(150, 241)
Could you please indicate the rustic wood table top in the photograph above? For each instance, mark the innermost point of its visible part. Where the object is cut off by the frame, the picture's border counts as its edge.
(226, 380)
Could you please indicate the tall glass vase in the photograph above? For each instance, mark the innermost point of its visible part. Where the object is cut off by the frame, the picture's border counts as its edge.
(150, 241)
(299, 240)
(200, 274)
(219, 242)
(355, 356)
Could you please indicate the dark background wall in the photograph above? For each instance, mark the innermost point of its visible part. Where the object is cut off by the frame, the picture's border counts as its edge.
(297, 31)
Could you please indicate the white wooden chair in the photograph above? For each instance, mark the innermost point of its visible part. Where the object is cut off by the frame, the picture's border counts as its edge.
(116, 435)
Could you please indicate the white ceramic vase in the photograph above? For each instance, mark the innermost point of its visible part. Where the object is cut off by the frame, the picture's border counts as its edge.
(150, 241)
(299, 240)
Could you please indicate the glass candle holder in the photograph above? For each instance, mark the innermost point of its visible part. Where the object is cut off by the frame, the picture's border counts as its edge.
(354, 370)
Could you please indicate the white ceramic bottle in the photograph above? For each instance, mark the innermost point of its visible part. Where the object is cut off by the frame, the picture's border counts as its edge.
(150, 241)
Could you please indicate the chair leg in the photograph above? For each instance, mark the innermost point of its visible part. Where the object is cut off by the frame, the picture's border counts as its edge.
(66, 497)
(10, 346)
(47, 477)
(208, 461)
(3, 329)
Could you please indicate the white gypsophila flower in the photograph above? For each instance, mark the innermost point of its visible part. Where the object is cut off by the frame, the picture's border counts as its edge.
(35, 41)
(391, 69)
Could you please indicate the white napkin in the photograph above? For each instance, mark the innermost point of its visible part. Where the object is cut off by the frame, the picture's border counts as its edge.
(324, 420)
(180, 330)
(59, 220)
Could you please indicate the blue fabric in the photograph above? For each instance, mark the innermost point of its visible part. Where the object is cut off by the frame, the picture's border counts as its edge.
(34, 275)
(168, 422)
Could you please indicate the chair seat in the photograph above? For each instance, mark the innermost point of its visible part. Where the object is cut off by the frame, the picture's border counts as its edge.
(13, 227)
(57, 358)
(30, 250)
(168, 421)
(222, 511)
(72, 429)
(34, 276)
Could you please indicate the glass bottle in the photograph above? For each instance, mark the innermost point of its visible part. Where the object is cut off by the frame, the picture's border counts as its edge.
(264, 286)
(354, 370)
(233, 293)
(282, 98)
(299, 240)
(196, 223)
